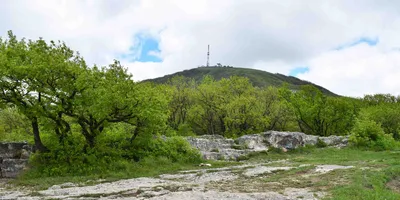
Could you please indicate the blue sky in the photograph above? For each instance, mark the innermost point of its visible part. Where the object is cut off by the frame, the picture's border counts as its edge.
(368, 40)
(144, 50)
(298, 70)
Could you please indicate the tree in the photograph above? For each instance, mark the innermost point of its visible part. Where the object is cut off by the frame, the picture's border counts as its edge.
(206, 117)
(276, 109)
(106, 95)
(14, 82)
(151, 113)
(318, 114)
(240, 106)
(38, 79)
(387, 115)
(181, 100)
(377, 99)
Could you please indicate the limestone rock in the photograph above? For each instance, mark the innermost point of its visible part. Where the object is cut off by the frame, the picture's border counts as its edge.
(11, 168)
(255, 142)
(12, 149)
(287, 140)
(13, 158)
(259, 170)
(25, 154)
(338, 141)
(216, 147)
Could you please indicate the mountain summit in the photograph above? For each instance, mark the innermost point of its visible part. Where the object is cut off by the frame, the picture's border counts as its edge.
(257, 77)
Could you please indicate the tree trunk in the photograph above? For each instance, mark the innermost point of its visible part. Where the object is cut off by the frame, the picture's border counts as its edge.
(36, 135)
(90, 140)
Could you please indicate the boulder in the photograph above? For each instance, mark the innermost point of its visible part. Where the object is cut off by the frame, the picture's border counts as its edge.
(287, 140)
(211, 143)
(254, 142)
(338, 141)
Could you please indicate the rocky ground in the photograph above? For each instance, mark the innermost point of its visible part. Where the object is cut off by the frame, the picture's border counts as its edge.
(246, 181)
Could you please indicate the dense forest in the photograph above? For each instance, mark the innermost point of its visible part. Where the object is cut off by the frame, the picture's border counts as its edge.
(88, 119)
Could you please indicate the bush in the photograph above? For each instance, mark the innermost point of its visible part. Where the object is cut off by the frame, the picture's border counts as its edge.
(273, 149)
(176, 148)
(369, 134)
(70, 159)
(304, 149)
(320, 144)
(185, 130)
(113, 154)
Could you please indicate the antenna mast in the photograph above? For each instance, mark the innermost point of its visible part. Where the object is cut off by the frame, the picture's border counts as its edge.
(208, 56)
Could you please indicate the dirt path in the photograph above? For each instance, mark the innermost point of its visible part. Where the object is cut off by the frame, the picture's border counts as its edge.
(248, 182)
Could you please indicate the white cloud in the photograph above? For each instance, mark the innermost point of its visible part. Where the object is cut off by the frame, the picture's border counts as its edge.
(357, 70)
(272, 35)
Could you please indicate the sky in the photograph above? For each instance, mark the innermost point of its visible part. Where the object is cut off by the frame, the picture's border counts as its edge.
(349, 47)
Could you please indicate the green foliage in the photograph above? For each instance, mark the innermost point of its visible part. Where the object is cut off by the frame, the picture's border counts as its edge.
(387, 115)
(185, 130)
(367, 133)
(280, 113)
(177, 149)
(112, 153)
(257, 77)
(275, 150)
(14, 126)
(320, 144)
(379, 99)
(318, 114)
(180, 103)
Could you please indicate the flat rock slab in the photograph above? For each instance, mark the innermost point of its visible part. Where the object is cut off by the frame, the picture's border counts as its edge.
(322, 169)
(104, 188)
(263, 170)
(289, 194)
(191, 184)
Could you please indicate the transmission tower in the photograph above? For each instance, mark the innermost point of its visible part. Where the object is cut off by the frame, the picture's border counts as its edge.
(208, 56)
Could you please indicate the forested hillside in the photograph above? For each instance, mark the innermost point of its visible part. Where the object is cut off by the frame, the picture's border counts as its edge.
(258, 78)
(96, 120)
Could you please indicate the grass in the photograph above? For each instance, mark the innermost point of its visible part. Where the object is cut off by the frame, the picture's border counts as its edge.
(145, 168)
(375, 175)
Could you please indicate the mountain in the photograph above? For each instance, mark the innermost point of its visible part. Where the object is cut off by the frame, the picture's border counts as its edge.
(257, 77)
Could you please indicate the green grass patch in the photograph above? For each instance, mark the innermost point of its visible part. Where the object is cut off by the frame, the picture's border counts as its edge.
(375, 175)
(149, 167)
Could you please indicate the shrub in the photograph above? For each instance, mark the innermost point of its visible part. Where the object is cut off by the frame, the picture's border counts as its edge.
(306, 149)
(185, 130)
(320, 144)
(175, 148)
(273, 149)
(369, 134)
(113, 153)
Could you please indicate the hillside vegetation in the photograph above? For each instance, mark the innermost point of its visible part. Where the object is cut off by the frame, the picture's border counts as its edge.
(258, 78)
